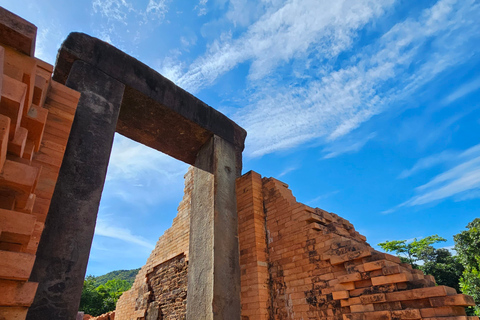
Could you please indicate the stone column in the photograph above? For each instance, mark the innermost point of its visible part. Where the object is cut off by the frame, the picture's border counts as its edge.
(214, 268)
(64, 248)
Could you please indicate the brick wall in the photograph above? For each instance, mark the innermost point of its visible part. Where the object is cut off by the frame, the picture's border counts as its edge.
(169, 256)
(36, 115)
(296, 262)
(319, 267)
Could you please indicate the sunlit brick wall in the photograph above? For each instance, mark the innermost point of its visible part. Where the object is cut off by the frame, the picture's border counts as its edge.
(135, 303)
(36, 115)
(299, 262)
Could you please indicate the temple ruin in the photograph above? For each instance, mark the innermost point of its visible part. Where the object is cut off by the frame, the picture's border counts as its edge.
(241, 247)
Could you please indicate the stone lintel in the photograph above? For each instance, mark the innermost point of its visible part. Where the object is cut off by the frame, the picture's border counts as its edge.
(64, 248)
(17, 32)
(185, 114)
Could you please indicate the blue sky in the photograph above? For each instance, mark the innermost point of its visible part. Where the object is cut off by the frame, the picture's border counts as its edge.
(366, 108)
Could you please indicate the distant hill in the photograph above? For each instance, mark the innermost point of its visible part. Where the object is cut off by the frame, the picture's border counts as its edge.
(128, 275)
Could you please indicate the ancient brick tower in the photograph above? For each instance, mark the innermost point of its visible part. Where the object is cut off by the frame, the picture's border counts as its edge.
(296, 262)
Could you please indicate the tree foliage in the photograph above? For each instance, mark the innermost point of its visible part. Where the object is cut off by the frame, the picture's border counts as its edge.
(439, 263)
(97, 300)
(413, 251)
(445, 267)
(467, 245)
(128, 275)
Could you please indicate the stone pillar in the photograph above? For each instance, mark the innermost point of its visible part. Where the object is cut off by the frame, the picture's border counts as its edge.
(214, 268)
(64, 248)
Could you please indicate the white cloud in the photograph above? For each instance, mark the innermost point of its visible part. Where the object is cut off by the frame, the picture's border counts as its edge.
(463, 91)
(113, 9)
(322, 196)
(124, 22)
(157, 8)
(141, 176)
(287, 171)
(347, 147)
(461, 181)
(325, 101)
(201, 7)
(428, 162)
(171, 66)
(131, 160)
(106, 229)
(283, 34)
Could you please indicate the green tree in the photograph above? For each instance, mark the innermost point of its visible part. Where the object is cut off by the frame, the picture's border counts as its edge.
(115, 287)
(445, 267)
(412, 251)
(97, 300)
(439, 263)
(91, 301)
(467, 245)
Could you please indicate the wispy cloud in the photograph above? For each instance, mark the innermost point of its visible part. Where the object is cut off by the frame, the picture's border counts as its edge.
(106, 229)
(201, 7)
(282, 35)
(428, 162)
(287, 171)
(461, 181)
(113, 9)
(123, 20)
(463, 91)
(130, 160)
(320, 100)
(348, 146)
(322, 196)
(141, 175)
(157, 8)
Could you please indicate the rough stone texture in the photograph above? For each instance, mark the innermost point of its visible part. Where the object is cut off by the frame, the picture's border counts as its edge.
(155, 111)
(214, 273)
(65, 245)
(173, 243)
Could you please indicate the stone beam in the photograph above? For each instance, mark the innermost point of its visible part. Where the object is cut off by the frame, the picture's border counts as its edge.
(214, 268)
(193, 119)
(64, 248)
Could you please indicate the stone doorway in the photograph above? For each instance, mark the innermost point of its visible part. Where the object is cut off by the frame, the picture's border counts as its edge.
(120, 94)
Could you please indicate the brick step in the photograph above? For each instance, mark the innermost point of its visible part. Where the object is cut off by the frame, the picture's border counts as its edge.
(34, 121)
(16, 265)
(13, 102)
(20, 178)
(17, 145)
(16, 293)
(13, 313)
(16, 227)
(27, 65)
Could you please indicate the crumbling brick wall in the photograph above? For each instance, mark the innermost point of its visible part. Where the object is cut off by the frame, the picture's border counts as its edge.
(296, 262)
(36, 114)
(161, 285)
(299, 262)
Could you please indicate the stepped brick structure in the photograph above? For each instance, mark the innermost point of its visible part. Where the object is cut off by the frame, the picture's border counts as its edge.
(36, 115)
(168, 261)
(297, 262)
